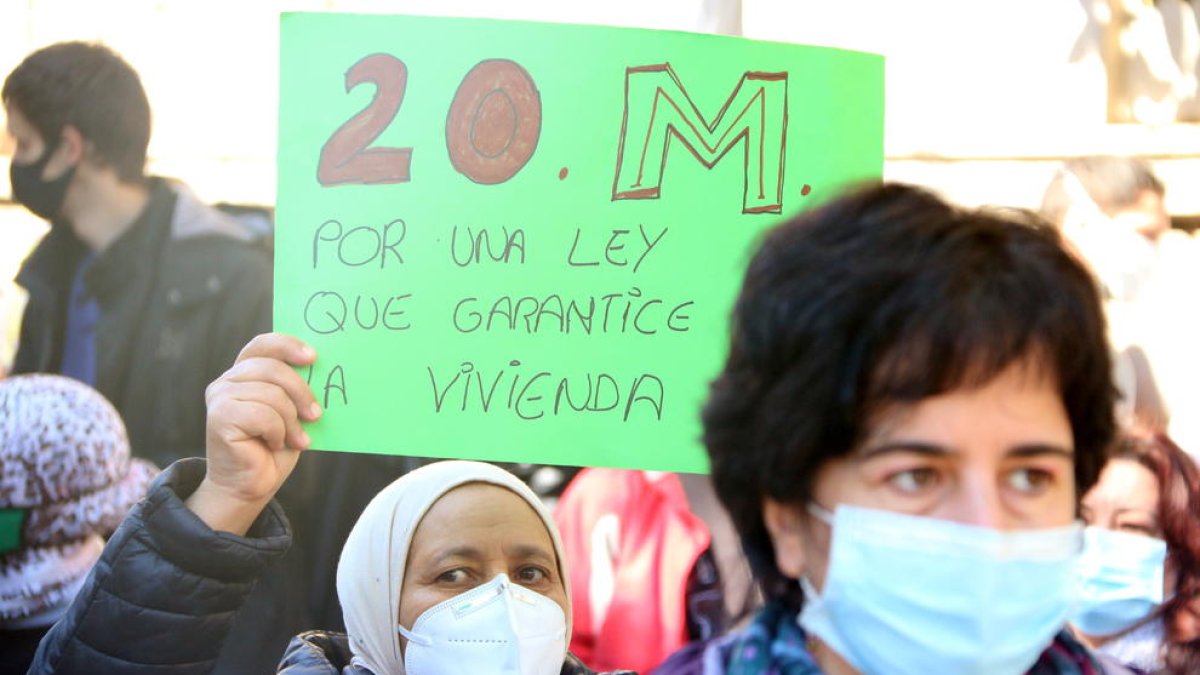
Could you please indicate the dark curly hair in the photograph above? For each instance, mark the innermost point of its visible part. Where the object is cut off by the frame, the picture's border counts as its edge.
(890, 295)
(90, 87)
(1178, 514)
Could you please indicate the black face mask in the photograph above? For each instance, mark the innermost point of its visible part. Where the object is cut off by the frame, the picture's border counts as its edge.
(43, 197)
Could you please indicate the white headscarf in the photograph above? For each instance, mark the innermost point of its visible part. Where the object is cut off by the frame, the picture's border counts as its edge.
(371, 570)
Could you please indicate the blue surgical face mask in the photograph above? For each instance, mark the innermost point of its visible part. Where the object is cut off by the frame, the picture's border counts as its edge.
(909, 595)
(1122, 577)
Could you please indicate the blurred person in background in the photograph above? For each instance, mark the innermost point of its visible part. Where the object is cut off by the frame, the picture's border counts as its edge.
(139, 289)
(1111, 211)
(66, 481)
(902, 432)
(650, 554)
(1141, 572)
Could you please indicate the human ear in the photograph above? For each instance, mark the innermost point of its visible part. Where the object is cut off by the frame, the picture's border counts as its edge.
(785, 525)
(69, 152)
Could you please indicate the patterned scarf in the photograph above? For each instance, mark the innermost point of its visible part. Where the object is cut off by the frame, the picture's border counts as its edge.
(37, 584)
(64, 459)
(65, 468)
(774, 644)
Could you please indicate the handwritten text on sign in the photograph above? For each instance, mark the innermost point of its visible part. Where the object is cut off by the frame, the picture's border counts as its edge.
(521, 242)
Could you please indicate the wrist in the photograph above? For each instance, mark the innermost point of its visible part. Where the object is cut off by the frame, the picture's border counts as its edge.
(224, 510)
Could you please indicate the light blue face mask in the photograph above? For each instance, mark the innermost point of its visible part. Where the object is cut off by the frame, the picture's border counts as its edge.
(1122, 577)
(908, 595)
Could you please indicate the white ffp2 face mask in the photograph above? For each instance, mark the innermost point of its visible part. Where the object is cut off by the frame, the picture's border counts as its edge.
(497, 628)
(909, 595)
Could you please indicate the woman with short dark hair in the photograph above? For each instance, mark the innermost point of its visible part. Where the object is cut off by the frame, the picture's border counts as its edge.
(914, 400)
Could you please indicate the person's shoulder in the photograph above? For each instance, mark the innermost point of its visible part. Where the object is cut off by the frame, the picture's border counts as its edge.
(573, 666)
(194, 220)
(317, 653)
(771, 642)
(1068, 649)
(1111, 666)
(212, 247)
(52, 258)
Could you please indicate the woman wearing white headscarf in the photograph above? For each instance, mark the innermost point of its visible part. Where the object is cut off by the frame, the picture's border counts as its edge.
(463, 560)
(454, 568)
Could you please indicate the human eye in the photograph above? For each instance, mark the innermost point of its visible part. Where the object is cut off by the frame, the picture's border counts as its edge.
(1139, 527)
(454, 576)
(1030, 480)
(532, 575)
(915, 480)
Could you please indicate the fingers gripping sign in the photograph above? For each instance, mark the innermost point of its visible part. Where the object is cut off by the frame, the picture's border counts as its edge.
(254, 431)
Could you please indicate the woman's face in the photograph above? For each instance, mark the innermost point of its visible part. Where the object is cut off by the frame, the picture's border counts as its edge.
(471, 534)
(998, 456)
(1125, 498)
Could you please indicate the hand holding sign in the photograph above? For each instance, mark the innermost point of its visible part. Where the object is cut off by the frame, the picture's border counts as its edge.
(520, 242)
(254, 436)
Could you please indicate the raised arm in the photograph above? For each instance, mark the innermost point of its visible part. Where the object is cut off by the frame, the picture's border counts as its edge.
(178, 569)
(254, 436)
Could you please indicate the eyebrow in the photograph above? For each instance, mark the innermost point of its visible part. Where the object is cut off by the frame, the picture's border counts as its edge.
(1126, 511)
(1152, 513)
(1040, 450)
(523, 551)
(531, 551)
(1152, 516)
(1025, 451)
(468, 552)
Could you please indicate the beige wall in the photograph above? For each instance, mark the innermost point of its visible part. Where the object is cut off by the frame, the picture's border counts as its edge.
(961, 75)
(210, 67)
(984, 98)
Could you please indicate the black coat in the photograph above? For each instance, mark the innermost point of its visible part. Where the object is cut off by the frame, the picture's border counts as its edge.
(180, 293)
(324, 653)
(165, 593)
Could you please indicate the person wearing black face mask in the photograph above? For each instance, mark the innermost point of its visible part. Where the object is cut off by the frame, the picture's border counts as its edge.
(42, 197)
(139, 289)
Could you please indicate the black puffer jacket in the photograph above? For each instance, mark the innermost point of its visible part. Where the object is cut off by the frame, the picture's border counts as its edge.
(323, 653)
(165, 593)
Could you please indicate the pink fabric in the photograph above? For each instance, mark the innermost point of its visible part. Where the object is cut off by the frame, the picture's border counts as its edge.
(636, 528)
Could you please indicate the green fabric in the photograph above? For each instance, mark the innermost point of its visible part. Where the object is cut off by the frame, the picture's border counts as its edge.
(11, 522)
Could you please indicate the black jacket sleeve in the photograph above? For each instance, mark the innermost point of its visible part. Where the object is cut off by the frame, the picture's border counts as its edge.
(162, 597)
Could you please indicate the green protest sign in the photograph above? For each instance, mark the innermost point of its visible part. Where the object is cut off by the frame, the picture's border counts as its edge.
(520, 242)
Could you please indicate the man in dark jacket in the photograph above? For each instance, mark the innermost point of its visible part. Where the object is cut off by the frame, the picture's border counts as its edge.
(139, 289)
